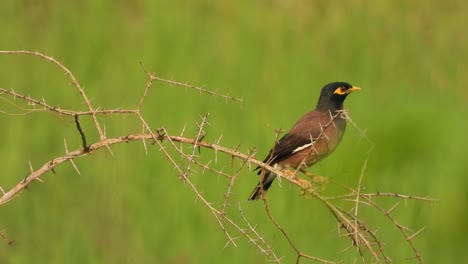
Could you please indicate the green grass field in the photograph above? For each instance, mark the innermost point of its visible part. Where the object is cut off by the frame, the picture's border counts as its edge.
(409, 58)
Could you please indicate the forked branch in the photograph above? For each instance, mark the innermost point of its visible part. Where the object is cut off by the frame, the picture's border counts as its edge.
(350, 221)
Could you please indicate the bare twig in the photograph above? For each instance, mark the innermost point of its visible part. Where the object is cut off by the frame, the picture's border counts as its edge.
(199, 89)
(72, 78)
(350, 221)
(258, 240)
(288, 238)
(45, 107)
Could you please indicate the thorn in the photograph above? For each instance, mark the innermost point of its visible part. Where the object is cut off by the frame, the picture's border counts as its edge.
(373, 232)
(25, 178)
(417, 256)
(415, 234)
(231, 240)
(200, 139)
(206, 166)
(403, 227)
(227, 243)
(65, 144)
(183, 130)
(392, 208)
(347, 248)
(39, 179)
(218, 140)
(30, 167)
(143, 129)
(110, 151)
(144, 146)
(75, 167)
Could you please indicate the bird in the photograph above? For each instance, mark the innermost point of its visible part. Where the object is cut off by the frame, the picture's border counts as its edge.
(312, 138)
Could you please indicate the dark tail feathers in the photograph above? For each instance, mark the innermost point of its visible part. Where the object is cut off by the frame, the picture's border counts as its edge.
(262, 187)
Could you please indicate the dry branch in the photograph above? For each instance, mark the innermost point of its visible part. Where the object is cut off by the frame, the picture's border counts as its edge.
(350, 222)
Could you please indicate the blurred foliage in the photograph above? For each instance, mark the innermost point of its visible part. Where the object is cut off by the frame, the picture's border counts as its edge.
(410, 58)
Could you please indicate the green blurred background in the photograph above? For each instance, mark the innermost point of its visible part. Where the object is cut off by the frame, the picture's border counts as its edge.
(410, 58)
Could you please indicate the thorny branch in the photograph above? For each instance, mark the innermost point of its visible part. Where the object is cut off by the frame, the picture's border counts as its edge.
(349, 220)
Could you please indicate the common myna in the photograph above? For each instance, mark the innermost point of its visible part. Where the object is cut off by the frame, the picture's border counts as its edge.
(311, 139)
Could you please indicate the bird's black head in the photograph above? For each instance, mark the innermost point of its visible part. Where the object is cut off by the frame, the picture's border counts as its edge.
(333, 95)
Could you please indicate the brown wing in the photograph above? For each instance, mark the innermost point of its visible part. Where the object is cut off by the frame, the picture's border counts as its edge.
(285, 147)
(304, 132)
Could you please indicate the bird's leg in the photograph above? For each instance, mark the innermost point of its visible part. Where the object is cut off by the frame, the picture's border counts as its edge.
(305, 184)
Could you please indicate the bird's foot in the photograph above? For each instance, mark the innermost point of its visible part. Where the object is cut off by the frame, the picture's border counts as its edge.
(317, 183)
(289, 173)
(304, 184)
(307, 186)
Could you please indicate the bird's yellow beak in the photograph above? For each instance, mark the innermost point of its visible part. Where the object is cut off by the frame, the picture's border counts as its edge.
(354, 89)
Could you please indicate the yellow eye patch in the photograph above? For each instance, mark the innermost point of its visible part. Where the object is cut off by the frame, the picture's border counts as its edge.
(342, 91)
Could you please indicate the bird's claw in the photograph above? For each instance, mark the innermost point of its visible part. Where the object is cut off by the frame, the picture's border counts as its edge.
(307, 186)
(317, 183)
